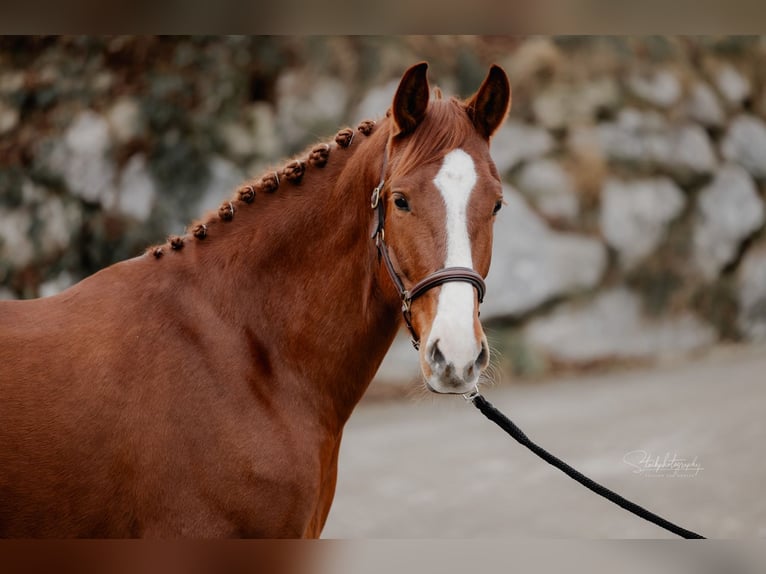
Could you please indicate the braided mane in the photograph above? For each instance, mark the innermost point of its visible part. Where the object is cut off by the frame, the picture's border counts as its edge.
(316, 156)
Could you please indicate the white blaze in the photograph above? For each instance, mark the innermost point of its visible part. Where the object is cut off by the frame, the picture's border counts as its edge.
(453, 325)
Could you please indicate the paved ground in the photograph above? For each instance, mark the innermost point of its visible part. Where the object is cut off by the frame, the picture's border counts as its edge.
(436, 468)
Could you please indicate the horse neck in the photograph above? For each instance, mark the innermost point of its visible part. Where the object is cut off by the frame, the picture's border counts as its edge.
(297, 272)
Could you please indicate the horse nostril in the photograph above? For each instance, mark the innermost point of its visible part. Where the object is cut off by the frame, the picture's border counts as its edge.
(437, 357)
(483, 359)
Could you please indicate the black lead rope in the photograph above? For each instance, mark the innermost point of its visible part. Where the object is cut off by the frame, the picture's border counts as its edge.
(508, 426)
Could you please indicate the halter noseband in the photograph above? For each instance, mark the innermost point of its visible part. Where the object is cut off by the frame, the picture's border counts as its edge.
(445, 275)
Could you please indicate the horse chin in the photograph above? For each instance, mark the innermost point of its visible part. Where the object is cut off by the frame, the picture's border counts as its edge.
(450, 387)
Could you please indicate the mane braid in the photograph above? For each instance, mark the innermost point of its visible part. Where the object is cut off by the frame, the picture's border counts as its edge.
(319, 155)
(294, 171)
(226, 211)
(246, 194)
(200, 231)
(176, 242)
(344, 137)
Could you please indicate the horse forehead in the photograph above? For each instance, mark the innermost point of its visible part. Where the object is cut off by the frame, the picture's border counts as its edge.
(456, 177)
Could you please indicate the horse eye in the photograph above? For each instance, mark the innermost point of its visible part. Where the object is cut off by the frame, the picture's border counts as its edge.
(401, 203)
(498, 205)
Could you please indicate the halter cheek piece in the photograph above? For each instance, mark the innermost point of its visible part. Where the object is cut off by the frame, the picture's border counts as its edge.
(445, 275)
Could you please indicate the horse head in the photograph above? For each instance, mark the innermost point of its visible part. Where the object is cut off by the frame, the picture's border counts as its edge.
(438, 197)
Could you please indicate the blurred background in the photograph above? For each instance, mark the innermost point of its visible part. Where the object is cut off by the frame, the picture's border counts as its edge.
(634, 172)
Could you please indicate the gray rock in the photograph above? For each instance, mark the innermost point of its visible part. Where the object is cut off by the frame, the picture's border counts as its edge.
(375, 102)
(745, 144)
(751, 280)
(728, 211)
(565, 105)
(238, 139)
(16, 246)
(635, 120)
(256, 135)
(634, 215)
(703, 106)
(629, 138)
(11, 81)
(733, 85)
(9, 118)
(551, 107)
(43, 227)
(125, 120)
(535, 56)
(225, 177)
(308, 105)
(516, 142)
(60, 221)
(550, 188)
(610, 327)
(532, 264)
(657, 87)
(102, 82)
(136, 189)
(646, 140)
(31, 194)
(689, 151)
(265, 133)
(62, 281)
(586, 140)
(599, 94)
(81, 158)
(88, 134)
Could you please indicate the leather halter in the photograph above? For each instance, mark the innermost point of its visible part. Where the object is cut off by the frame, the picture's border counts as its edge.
(445, 275)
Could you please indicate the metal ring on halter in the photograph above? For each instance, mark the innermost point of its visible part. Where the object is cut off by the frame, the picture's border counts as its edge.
(471, 395)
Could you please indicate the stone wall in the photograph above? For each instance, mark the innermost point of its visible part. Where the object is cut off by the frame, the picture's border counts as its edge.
(634, 170)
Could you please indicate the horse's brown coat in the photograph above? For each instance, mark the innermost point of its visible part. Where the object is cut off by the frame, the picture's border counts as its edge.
(202, 389)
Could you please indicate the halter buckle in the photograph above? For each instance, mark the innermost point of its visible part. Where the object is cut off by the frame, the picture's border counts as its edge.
(471, 395)
(375, 197)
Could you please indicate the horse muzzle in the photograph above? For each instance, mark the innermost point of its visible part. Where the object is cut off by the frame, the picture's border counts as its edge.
(454, 373)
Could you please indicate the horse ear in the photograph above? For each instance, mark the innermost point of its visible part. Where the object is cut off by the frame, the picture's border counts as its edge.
(488, 107)
(411, 99)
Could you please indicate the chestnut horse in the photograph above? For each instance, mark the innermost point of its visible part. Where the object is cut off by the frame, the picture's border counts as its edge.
(201, 389)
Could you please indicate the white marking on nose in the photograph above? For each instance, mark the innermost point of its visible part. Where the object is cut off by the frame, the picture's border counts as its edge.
(453, 325)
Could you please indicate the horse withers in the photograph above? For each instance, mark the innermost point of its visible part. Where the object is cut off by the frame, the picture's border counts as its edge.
(201, 389)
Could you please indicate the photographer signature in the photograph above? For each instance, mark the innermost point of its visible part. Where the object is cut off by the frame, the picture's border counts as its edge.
(667, 466)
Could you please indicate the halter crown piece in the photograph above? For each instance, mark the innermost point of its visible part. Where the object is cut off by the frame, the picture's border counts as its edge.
(445, 275)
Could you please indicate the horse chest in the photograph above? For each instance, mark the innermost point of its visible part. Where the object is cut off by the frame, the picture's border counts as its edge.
(267, 485)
